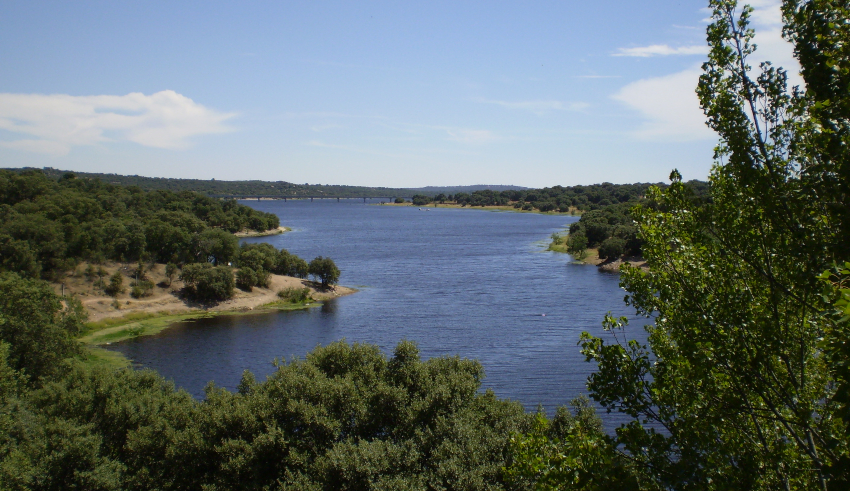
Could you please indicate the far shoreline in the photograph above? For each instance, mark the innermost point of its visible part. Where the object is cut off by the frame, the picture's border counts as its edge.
(573, 212)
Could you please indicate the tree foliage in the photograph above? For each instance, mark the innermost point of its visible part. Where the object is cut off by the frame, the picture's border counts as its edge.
(36, 327)
(208, 283)
(346, 417)
(47, 226)
(324, 270)
(734, 389)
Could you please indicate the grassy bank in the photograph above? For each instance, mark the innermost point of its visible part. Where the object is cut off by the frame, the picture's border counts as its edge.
(137, 324)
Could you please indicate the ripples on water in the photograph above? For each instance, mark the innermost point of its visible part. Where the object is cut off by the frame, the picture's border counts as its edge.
(458, 282)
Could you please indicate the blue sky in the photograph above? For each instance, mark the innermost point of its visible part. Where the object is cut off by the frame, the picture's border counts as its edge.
(363, 93)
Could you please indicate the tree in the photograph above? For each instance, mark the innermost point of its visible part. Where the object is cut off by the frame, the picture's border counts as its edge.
(734, 372)
(577, 245)
(217, 246)
(38, 329)
(116, 284)
(421, 200)
(208, 283)
(170, 272)
(612, 248)
(324, 270)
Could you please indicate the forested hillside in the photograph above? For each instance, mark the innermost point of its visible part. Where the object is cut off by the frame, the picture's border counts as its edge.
(47, 226)
(742, 382)
(261, 188)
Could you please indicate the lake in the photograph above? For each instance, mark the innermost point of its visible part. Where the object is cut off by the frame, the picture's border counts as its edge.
(473, 283)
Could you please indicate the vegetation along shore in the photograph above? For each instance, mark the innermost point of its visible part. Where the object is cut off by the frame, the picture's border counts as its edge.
(741, 382)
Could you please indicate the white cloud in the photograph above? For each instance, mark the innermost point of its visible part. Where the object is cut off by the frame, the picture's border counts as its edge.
(58, 122)
(660, 50)
(669, 103)
(539, 107)
(670, 106)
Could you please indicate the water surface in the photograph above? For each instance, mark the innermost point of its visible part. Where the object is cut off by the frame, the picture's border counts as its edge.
(472, 283)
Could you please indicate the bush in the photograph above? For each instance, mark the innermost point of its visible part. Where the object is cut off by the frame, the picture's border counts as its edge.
(208, 283)
(36, 327)
(545, 206)
(577, 244)
(399, 200)
(170, 272)
(295, 295)
(116, 285)
(612, 248)
(290, 265)
(246, 279)
(143, 288)
(420, 200)
(324, 270)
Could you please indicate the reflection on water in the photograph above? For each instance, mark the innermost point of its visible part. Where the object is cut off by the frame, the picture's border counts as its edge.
(458, 282)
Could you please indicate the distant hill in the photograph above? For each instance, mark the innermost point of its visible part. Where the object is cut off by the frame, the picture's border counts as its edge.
(268, 188)
(432, 190)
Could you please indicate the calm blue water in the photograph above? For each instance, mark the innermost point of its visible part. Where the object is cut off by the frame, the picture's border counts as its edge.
(458, 282)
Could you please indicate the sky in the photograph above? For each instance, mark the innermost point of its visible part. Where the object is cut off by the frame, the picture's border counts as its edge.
(396, 94)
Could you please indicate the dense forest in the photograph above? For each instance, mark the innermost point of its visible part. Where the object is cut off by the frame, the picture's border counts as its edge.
(743, 382)
(47, 226)
(237, 189)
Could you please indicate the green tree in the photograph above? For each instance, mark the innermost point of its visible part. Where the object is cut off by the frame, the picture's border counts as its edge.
(612, 248)
(324, 270)
(217, 246)
(246, 279)
(38, 329)
(569, 452)
(733, 389)
(208, 283)
(577, 245)
(116, 284)
(421, 200)
(170, 272)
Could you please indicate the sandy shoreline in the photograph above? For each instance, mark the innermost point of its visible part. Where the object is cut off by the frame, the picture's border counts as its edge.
(112, 319)
(264, 233)
(165, 298)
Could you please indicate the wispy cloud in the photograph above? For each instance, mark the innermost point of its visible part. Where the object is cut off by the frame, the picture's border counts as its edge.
(660, 50)
(539, 107)
(59, 122)
(470, 136)
(669, 103)
(670, 106)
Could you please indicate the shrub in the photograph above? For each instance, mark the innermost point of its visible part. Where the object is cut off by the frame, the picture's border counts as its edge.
(612, 248)
(399, 200)
(116, 285)
(577, 244)
(142, 288)
(295, 295)
(246, 279)
(170, 272)
(420, 200)
(206, 282)
(324, 270)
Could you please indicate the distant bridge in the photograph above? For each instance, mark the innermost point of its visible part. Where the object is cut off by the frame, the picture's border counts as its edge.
(259, 197)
